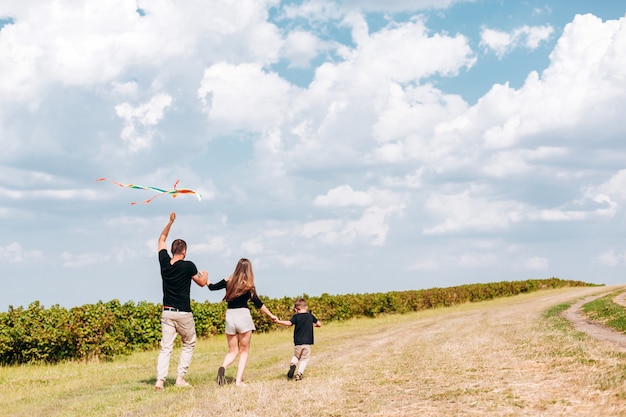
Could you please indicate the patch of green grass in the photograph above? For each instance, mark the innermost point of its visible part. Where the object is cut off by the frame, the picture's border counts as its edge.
(553, 318)
(605, 311)
(561, 339)
(557, 310)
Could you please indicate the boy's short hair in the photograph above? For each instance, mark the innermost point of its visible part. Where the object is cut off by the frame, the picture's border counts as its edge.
(300, 303)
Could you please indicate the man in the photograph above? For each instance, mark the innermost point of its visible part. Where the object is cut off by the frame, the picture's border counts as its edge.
(176, 317)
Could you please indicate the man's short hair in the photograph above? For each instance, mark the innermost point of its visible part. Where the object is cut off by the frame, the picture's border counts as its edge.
(178, 246)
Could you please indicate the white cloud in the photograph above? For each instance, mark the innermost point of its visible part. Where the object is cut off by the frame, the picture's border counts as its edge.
(536, 35)
(14, 253)
(120, 253)
(300, 261)
(346, 196)
(477, 260)
(410, 180)
(393, 53)
(89, 42)
(324, 9)
(50, 194)
(252, 246)
(313, 10)
(139, 121)
(371, 96)
(327, 230)
(572, 98)
(470, 210)
(71, 260)
(497, 40)
(379, 205)
(614, 189)
(520, 161)
(378, 157)
(125, 89)
(537, 263)
(343, 196)
(407, 121)
(214, 245)
(611, 258)
(556, 215)
(400, 5)
(372, 227)
(301, 47)
(544, 10)
(475, 209)
(501, 42)
(244, 96)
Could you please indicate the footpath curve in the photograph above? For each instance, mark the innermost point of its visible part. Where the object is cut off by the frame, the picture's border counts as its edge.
(597, 330)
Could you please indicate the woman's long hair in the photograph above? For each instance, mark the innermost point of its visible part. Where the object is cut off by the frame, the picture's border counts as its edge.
(241, 281)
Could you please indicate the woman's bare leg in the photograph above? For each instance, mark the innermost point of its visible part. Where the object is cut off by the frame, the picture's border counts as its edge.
(244, 345)
(233, 349)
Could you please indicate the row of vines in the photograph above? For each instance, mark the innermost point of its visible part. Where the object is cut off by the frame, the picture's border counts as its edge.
(107, 329)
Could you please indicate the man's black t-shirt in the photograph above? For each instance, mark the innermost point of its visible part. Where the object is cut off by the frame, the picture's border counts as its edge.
(176, 281)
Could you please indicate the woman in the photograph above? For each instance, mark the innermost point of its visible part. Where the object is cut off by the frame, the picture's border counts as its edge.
(239, 325)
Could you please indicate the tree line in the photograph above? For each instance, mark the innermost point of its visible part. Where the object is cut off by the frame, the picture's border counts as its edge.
(107, 329)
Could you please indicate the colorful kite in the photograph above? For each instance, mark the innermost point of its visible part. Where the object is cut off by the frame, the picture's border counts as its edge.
(174, 193)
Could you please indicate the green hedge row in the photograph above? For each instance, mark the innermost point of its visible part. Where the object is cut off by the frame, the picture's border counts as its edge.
(104, 330)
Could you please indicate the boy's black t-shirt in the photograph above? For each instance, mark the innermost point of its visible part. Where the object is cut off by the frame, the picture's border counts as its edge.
(303, 328)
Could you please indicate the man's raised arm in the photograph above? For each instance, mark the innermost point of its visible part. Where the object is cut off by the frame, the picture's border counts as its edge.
(165, 232)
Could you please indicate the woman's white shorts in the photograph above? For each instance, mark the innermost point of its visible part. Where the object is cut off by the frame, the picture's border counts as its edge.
(239, 320)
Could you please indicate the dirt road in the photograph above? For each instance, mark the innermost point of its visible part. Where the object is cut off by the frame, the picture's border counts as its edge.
(501, 358)
(596, 330)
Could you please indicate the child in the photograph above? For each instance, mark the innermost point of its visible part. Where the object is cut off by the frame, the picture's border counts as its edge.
(302, 337)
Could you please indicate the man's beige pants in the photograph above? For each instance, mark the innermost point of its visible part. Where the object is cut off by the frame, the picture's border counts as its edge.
(173, 323)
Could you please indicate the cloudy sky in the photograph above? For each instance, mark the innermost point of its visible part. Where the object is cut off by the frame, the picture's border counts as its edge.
(344, 147)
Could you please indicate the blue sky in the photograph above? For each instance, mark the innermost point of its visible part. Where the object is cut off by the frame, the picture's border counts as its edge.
(344, 147)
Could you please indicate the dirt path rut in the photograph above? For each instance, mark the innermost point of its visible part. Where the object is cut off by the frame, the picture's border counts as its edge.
(581, 323)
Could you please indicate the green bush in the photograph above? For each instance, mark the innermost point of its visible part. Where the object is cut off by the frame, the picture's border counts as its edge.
(105, 330)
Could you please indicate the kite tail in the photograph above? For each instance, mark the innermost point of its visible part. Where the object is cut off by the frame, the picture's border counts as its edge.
(107, 179)
(160, 191)
(146, 201)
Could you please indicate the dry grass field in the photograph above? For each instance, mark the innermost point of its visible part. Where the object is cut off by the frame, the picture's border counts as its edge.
(499, 358)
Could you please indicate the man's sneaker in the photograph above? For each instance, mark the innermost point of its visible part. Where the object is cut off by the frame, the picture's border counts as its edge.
(292, 369)
(298, 376)
(221, 379)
